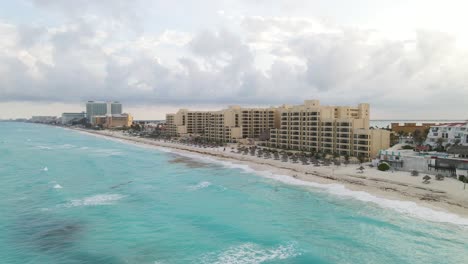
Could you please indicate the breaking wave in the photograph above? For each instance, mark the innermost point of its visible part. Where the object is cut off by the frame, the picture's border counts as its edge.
(200, 185)
(250, 253)
(405, 207)
(95, 200)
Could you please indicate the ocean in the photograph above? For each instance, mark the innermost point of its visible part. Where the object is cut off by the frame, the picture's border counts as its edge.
(69, 197)
(388, 123)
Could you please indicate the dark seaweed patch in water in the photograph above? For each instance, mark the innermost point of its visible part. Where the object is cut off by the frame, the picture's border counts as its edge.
(121, 184)
(191, 163)
(90, 258)
(57, 237)
(46, 234)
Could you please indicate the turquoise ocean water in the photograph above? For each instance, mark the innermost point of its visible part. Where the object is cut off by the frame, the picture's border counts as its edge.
(67, 197)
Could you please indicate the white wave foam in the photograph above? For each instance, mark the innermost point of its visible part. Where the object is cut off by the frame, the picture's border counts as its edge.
(57, 186)
(251, 253)
(405, 207)
(200, 185)
(43, 147)
(45, 169)
(66, 146)
(100, 199)
(108, 152)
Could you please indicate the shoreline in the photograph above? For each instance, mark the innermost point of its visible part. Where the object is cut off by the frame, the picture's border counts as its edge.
(445, 196)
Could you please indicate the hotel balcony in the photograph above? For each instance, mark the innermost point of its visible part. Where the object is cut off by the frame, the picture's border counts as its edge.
(343, 130)
(366, 149)
(361, 136)
(343, 136)
(343, 124)
(361, 142)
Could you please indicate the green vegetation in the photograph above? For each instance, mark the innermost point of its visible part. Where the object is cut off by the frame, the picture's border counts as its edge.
(418, 137)
(414, 173)
(407, 147)
(383, 166)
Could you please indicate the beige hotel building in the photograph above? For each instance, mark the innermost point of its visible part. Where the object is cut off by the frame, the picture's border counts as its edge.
(308, 127)
(226, 125)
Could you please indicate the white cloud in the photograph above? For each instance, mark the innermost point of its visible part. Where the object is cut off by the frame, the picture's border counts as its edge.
(260, 60)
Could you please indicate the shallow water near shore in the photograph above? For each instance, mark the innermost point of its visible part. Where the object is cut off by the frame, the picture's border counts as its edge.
(67, 197)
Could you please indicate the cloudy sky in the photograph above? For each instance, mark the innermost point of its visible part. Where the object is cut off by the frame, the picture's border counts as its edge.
(407, 58)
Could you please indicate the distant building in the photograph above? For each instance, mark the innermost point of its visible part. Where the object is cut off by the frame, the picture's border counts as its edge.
(459, 151)
(44, 119)
(113, 121)
(410, 128)
(100, 108)
(68, 118)
(450, 133)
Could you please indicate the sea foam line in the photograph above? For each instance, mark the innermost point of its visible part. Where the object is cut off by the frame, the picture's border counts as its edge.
(200, 185)
(100, 199)
(250, 253)
(405, 207)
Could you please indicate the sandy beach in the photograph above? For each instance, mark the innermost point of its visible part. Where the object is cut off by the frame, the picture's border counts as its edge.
(447, 195)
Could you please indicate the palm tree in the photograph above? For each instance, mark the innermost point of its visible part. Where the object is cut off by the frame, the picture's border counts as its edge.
(440, 142)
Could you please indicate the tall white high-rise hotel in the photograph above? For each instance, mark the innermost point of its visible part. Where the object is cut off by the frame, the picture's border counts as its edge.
(100, 108)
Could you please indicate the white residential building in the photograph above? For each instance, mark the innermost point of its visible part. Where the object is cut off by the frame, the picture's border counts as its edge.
(450, 133)
(68, 118)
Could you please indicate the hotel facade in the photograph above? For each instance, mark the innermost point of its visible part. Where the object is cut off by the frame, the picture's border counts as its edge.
(100, 108)
(227, 125)
(308, 127)
(113, 121)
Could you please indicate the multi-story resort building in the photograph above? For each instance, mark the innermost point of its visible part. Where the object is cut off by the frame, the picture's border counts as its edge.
(410, 128)
(226, 125)
(331, 129)
(68, 118)
(309, 127)
(99, 108)
(113, 121)
(451, 133)
(170, 127)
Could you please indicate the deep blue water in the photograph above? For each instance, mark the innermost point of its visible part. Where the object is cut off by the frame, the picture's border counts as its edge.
(68, 197)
